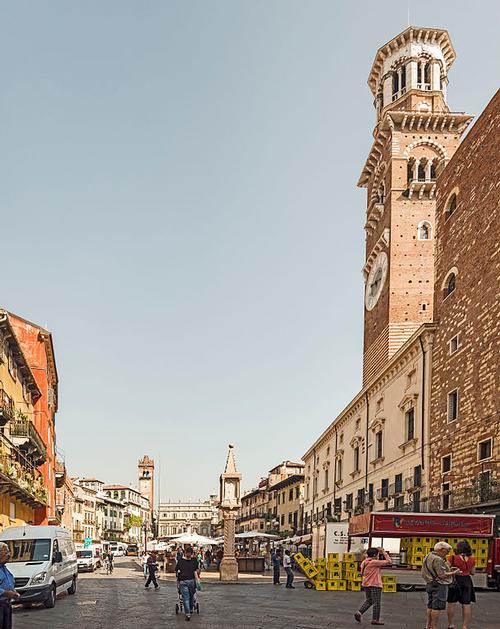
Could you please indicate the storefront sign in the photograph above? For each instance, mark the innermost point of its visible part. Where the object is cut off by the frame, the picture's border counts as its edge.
(431, 524)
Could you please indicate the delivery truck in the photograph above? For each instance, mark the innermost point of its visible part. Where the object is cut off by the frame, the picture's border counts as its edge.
(408, 537)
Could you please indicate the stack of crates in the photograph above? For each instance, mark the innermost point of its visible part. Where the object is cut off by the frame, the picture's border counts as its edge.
(350, 572)
(335, 581)
(306, 565)
(320, 578)
(479, 547)
(418, 547)
(389, 583)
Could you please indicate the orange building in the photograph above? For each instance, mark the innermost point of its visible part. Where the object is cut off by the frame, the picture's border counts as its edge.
(36, 344)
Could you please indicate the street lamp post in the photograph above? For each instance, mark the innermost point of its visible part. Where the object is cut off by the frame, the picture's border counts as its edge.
(145, 529)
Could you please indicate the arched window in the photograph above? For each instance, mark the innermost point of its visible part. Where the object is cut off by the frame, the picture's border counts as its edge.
(421, 171)
(427, 73)
(451, 205)
(424, 231)
(395, 83)
(433, 170)
(450, 284)
(409, 172)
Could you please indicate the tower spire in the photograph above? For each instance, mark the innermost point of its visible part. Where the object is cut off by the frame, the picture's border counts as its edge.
(230, 461)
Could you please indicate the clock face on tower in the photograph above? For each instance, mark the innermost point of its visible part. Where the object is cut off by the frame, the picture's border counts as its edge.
(375, 281)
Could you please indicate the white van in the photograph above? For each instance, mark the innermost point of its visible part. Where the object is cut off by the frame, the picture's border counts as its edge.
(43, 562)
(88, 559)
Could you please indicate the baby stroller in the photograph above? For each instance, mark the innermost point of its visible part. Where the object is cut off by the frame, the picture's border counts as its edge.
(179, 606)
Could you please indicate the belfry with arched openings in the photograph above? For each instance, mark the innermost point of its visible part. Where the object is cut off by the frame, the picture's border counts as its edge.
(415, 136)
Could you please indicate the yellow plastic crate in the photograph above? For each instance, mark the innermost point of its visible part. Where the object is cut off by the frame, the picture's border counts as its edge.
(320, 561)
(333, 556)
(350, 565)
(389, 587)
(337, 585)
(334, 574)
(417, 560)
(348, 557)
(310, 572)
(299, 557)
(320, 585)
(388, 579)
(354, 586)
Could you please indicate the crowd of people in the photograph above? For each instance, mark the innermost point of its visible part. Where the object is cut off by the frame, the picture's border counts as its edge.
(447, 583)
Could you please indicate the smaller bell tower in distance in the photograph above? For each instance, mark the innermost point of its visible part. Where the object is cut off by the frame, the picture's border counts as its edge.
(146, 468)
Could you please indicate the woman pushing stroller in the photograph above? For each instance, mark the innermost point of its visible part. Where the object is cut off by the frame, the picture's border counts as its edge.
(187, 570)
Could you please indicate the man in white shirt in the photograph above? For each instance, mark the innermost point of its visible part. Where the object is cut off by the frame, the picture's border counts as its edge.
(287, 564)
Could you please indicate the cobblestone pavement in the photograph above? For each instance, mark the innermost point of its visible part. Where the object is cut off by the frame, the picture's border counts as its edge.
(120, 601)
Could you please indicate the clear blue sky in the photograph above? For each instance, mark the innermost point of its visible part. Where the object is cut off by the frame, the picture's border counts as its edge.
(179, 207)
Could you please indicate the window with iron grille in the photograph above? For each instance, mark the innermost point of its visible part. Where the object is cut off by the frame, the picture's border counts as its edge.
(453, 405)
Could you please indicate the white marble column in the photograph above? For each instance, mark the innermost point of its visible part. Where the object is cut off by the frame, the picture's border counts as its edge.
(411, 79)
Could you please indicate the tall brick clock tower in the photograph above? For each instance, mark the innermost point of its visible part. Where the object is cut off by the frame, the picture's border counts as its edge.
(415, 136)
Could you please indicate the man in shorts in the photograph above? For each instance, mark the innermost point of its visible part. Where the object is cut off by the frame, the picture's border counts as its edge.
(438, 576)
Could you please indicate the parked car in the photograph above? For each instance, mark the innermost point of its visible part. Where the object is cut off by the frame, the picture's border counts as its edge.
(43, 562)
(89, 559)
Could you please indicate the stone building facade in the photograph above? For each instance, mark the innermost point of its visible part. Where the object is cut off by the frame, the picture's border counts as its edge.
(257, 511)
(137, 510)
(286, 503)
(374, 456)
(180, 517)
(465, 429)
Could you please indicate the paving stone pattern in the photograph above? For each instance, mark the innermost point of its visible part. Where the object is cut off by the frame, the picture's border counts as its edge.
(120, 601)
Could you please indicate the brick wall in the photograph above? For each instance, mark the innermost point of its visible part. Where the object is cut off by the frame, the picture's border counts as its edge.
(469, 240)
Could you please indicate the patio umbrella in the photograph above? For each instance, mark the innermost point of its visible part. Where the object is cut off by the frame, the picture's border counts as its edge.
(194, 538)
(256, 535)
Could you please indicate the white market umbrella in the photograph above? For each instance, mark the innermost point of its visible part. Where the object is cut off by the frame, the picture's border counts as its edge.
(256, 535)
(194, 538)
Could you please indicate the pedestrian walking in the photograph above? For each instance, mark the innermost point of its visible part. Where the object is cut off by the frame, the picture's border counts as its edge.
(199, 557)
(287, 564)
(438, 576)
(208, 558)
(7, 591)
(376, 558)
(462, 589)
(187, 570)
(152, 565)
(275, 560)
(179, 554)
(219, 556)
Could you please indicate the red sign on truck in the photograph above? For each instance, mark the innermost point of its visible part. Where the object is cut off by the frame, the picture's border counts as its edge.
(446, 525)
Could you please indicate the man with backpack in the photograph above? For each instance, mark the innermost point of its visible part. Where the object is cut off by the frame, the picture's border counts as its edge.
(438, 576)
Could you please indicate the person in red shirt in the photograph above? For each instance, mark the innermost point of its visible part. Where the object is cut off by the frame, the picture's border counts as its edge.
(462, 590)
(376, 558)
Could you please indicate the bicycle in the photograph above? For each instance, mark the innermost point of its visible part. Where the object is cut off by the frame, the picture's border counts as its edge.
(109, 567)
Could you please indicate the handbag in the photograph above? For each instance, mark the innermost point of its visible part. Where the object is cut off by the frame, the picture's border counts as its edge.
(453, 587)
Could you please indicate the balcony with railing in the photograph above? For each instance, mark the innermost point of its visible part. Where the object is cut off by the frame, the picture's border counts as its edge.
(7, 410)
(60, 474)
(24, 435)
(21, 479)
(479, 495)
